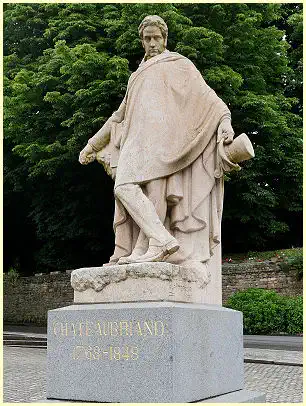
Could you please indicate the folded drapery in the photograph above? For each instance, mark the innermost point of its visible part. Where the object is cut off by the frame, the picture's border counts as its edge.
(165, 129)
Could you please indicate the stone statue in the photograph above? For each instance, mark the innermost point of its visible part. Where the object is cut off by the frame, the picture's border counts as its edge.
(157, 305)
(166, 148)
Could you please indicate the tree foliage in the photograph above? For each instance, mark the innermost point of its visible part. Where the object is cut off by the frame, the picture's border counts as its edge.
(66, 70)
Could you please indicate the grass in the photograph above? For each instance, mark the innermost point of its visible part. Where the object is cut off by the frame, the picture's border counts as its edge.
(263, 256)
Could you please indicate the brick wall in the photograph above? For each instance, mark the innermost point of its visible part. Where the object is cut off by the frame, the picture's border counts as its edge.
(28, 299)
(267, 275)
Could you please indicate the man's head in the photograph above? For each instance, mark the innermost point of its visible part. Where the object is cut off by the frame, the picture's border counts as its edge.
(153, 32)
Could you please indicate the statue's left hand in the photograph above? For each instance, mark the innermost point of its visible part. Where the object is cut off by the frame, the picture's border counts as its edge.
(87, 155)
(225, 131)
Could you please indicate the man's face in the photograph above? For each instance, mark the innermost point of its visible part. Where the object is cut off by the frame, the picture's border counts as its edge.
(153, 41)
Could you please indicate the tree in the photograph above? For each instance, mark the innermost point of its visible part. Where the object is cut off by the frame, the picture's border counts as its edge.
(264, 200)
(66, 71)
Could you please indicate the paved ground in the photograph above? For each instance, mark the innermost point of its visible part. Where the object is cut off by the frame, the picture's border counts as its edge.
(282, 384)
(25, 376)
(291, 343)
(280, 357)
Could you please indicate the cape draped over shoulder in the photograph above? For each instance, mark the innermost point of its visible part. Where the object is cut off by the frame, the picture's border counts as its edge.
(171, 114)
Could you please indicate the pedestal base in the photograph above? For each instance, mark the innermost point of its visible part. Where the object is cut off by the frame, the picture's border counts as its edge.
(144, 352)
(240, 396)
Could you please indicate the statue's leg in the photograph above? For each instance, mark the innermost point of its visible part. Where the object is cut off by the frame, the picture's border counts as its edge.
(125, 229)
(140, 248)
(123, 241)
(155, 190)
(143, 212)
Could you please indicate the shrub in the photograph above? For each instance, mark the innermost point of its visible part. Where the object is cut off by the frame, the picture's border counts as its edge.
(296, 262)
(294, 315)
(266, 312)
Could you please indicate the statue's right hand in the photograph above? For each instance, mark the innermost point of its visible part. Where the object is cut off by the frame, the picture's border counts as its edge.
(87, 155)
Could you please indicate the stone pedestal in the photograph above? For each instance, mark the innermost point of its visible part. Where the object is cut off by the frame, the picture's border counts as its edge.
(144, 352)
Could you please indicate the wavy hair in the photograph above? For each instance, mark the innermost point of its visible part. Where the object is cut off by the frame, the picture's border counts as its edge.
(153, 20)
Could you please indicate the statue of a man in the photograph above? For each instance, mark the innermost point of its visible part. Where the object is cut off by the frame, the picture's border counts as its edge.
(161, 147)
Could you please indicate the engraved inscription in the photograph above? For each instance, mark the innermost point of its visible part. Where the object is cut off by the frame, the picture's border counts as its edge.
(111, 353)
(112, 339)
(120, 328)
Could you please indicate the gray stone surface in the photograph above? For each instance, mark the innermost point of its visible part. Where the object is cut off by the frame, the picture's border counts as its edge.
(24, 373)
(144, 352)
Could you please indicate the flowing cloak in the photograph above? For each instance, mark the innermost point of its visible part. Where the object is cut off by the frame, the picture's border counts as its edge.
(166, 129)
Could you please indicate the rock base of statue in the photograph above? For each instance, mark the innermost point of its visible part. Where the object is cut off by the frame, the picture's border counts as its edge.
(145, 352)
(158, 281)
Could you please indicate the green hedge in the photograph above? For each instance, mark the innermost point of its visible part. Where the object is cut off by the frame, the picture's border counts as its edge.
(266, 312)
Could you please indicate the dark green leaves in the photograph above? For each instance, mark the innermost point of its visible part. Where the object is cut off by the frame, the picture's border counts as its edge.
(66, 68)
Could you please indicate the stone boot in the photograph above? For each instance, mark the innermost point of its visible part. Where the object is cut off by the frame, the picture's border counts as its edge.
(157, 253)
